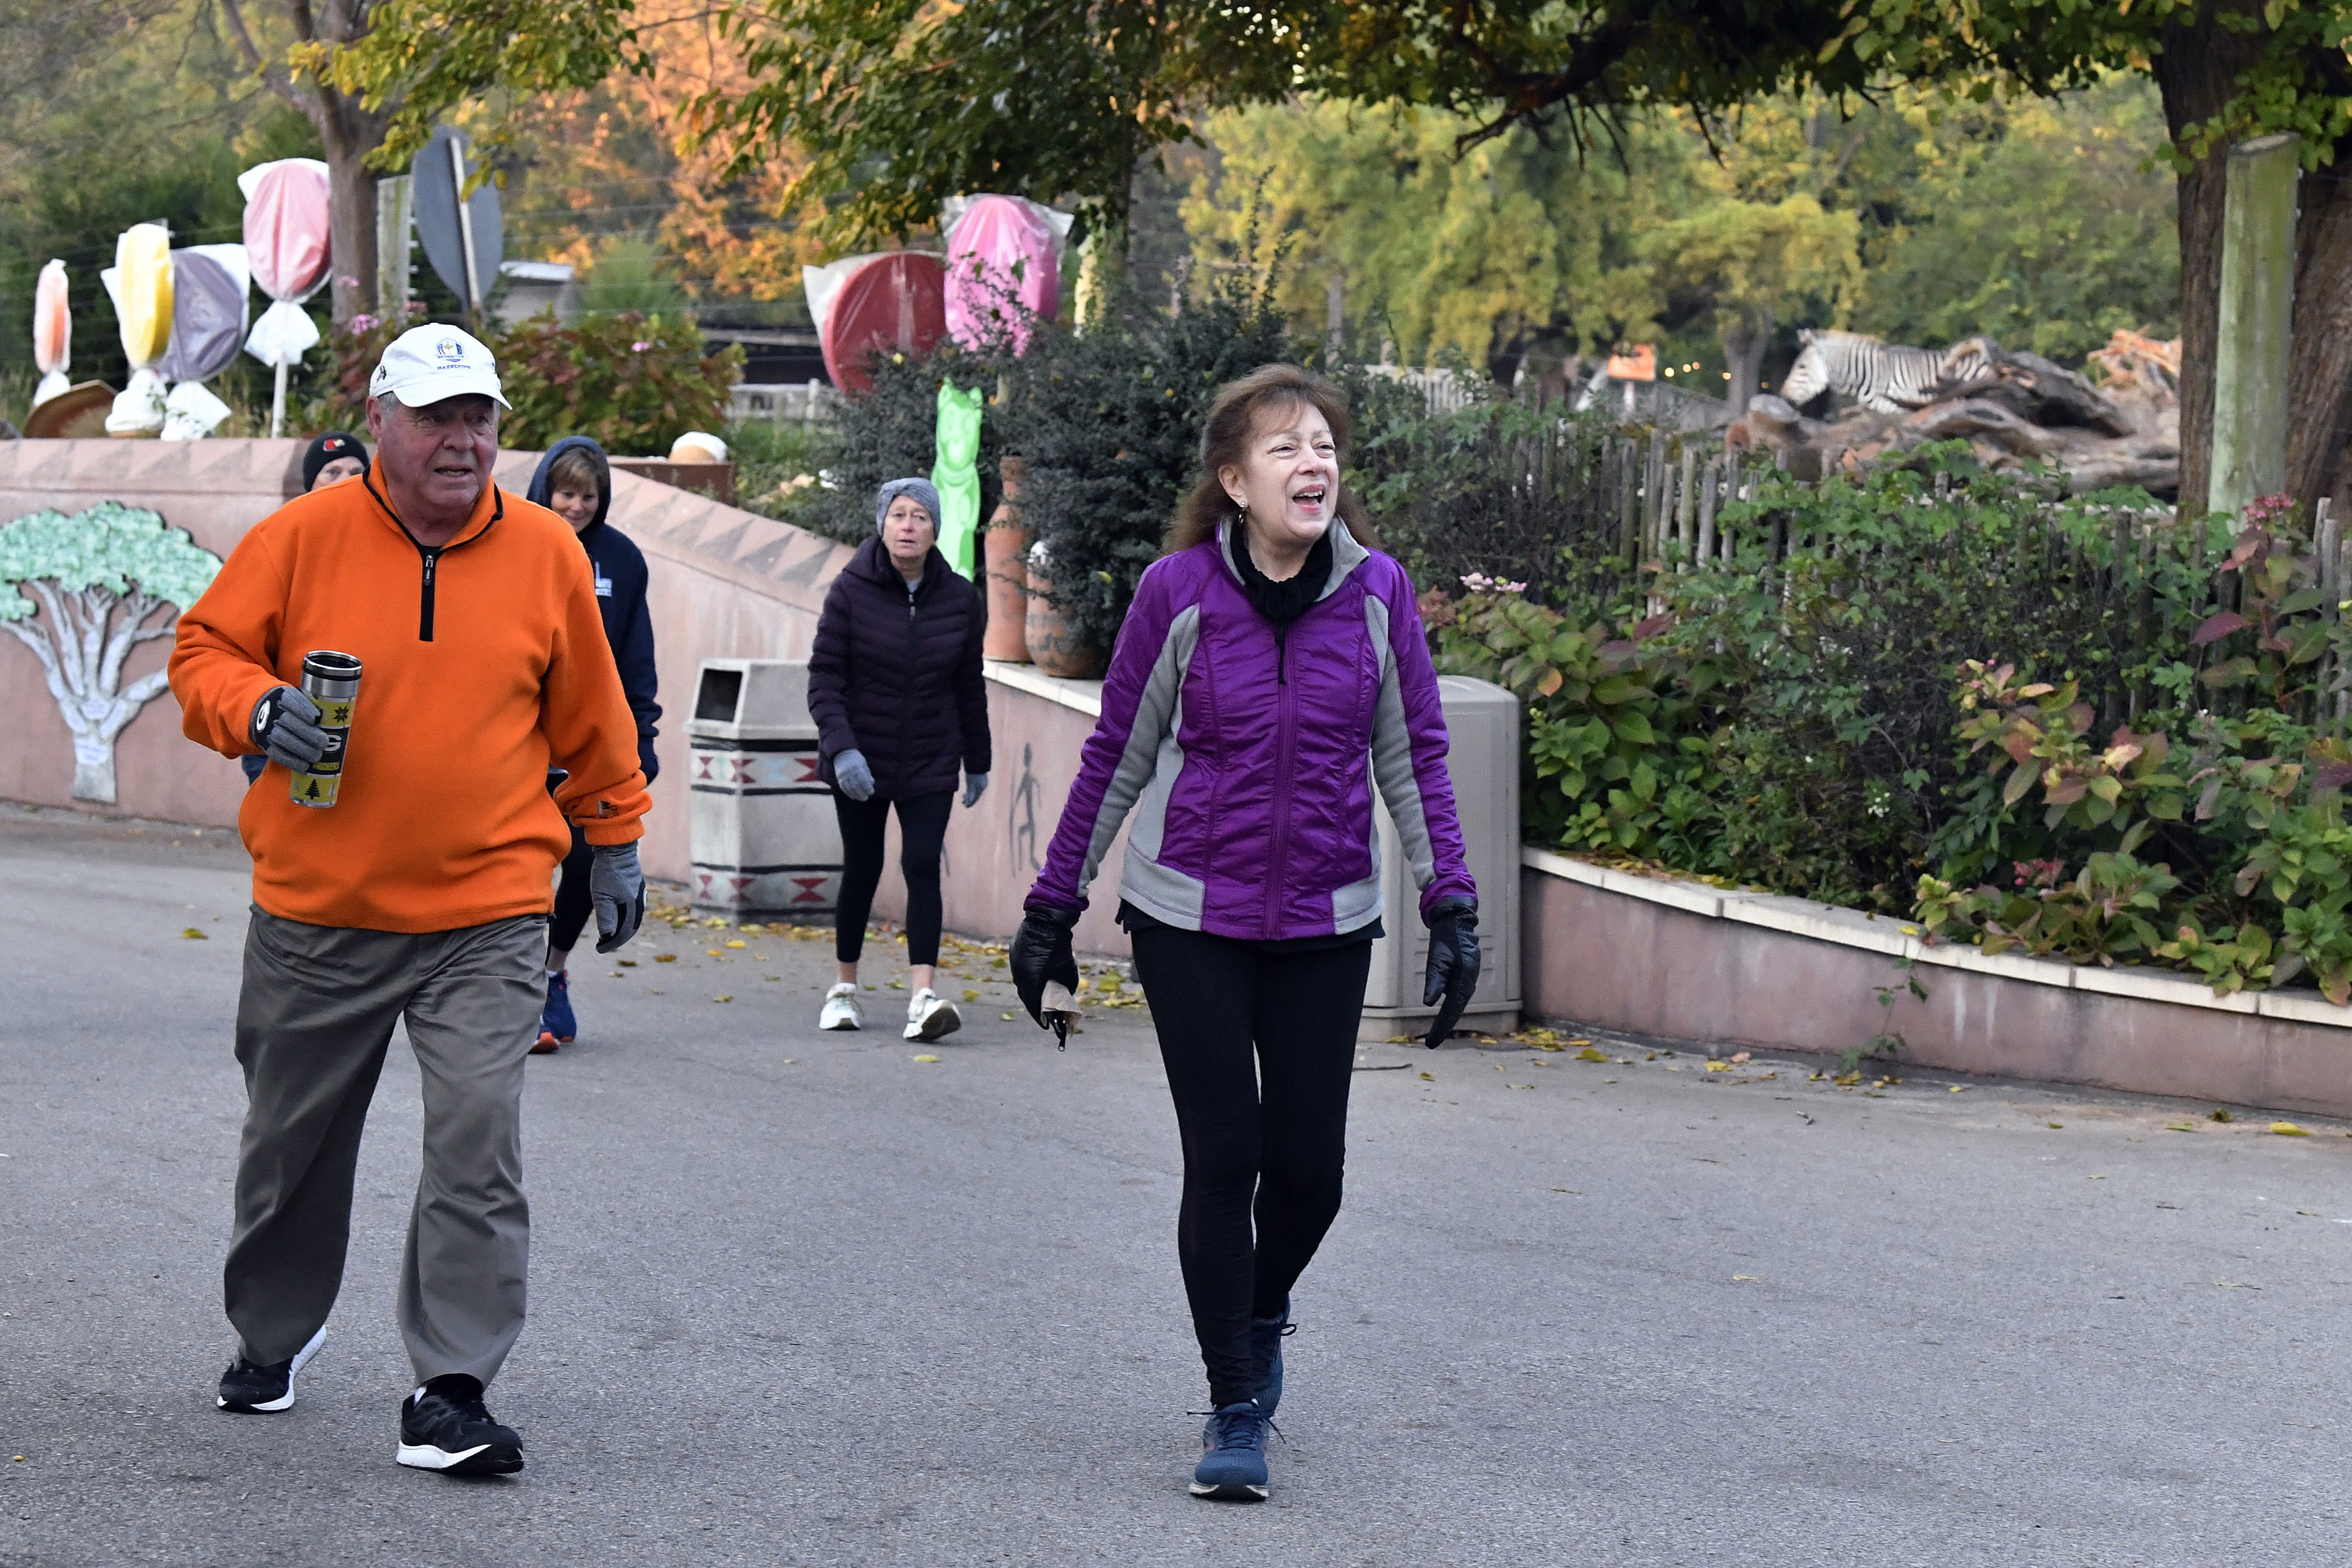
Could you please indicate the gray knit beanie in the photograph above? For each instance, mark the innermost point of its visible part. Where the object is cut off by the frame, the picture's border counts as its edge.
(922, 492)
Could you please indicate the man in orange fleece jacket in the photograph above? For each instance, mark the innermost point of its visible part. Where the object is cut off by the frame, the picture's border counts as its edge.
(421, 894)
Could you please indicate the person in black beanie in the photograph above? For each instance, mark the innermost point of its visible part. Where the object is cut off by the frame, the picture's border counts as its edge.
(329, 460)
(575, 481)
(332, 456)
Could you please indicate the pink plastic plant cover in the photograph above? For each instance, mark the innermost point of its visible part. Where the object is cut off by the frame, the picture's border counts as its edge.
(52, 322)
(1000, 247)
(894, 302)
(286, 228)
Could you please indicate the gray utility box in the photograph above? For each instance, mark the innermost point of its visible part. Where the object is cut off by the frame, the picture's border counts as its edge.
(1482, 725)
(760, 828)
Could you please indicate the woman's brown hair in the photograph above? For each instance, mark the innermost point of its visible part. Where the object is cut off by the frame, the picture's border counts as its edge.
(1224, 442)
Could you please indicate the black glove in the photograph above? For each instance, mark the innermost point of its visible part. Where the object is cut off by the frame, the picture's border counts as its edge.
(1040, 951)
(1453, 964)
(285, 725)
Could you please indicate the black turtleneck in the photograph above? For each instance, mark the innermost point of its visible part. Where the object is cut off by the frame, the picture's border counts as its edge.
(1285, 602)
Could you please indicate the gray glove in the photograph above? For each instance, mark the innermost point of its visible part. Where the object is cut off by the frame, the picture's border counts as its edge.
(285, 727)
(619, 889)
(975, 784)
(852, 776)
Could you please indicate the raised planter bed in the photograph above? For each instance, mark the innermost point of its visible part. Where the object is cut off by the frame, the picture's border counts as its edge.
(1685, 960)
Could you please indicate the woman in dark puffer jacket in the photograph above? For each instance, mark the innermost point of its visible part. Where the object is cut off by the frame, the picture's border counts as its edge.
(895, 688)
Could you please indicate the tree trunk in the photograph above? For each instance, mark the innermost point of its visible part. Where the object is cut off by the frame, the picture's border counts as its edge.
(93, 777)
(2197, 73)
(352, 227)
(2319, 361)
(1745, 338)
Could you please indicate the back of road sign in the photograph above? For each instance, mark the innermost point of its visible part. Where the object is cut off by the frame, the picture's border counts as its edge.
(438, 226)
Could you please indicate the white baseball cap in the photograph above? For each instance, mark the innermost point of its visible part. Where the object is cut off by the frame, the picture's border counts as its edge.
(428, 364)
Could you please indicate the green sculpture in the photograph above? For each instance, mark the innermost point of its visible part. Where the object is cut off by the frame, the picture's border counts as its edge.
(956, 475)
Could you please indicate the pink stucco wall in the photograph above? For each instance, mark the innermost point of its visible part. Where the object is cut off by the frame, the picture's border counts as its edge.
(722, 583)
(995, 849)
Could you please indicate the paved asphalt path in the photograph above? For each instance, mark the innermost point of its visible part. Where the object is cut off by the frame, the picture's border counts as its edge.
(802, 1299)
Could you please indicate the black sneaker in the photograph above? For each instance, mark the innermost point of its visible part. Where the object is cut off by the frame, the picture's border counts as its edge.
(444, 1427)
(246, 1388)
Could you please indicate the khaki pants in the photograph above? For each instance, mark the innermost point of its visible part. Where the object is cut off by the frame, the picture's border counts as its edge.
(313, 1020)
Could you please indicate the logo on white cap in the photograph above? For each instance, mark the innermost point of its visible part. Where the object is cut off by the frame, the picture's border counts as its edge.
(427, 364)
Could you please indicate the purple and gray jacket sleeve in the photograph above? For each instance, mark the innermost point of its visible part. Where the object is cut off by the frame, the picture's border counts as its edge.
(1409, 744)
(1139, 705)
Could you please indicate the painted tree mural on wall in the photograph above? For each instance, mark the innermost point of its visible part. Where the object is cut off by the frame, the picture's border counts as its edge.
(88, 589)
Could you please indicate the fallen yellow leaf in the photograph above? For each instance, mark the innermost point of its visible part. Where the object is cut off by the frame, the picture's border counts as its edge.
(2289, 1130)
(1588, 1054)
(627, 963)
(193, 935)
(1008, 1018)
(1718, 1067)
(739, 943)
(2058, 1124)
(927, 1058)
(970, 995)
(714, 952)
(1429, 1077)
(1743, 1278)
(664, 958)
(1580, 1042)
(725, 998)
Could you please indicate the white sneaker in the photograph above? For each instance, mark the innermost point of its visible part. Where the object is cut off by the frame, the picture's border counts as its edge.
(840, 1007)
(930, 1016)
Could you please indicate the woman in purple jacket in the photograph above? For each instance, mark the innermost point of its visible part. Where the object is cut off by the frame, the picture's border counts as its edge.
(1271, 668)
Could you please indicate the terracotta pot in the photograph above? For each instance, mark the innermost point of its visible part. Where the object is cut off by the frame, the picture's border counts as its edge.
(1052, 647)
(1004, 557)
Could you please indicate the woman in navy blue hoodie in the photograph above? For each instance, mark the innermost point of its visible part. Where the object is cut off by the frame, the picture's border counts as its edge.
(575, 482)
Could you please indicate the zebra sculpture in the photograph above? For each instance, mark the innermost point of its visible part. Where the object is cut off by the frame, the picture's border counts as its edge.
(1886, 378)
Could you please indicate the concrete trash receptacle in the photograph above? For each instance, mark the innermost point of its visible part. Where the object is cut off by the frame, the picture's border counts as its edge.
(760, 828)
(1482, 725)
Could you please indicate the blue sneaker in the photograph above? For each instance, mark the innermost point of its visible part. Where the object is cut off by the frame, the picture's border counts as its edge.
(556, 1024)
(1267, 1335)
(1232, 1465)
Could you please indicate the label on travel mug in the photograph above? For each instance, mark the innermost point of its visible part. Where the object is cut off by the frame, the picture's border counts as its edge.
(333, 681)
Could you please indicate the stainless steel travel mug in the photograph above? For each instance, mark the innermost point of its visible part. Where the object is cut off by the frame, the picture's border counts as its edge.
(333, 681)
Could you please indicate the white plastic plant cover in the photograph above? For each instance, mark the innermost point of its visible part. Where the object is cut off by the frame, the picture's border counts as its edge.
(52, 332)
(191, 413)
(288, 208)
(1000, 247)
(140, 285)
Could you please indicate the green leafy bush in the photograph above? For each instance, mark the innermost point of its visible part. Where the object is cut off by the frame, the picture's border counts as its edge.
(1108, 424)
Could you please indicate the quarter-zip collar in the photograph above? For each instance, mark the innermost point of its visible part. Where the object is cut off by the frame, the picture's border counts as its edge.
(1347, 555)
(489, 508)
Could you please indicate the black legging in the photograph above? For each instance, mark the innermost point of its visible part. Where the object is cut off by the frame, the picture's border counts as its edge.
(574, 901)
(923, 828)
(1269, 1133)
